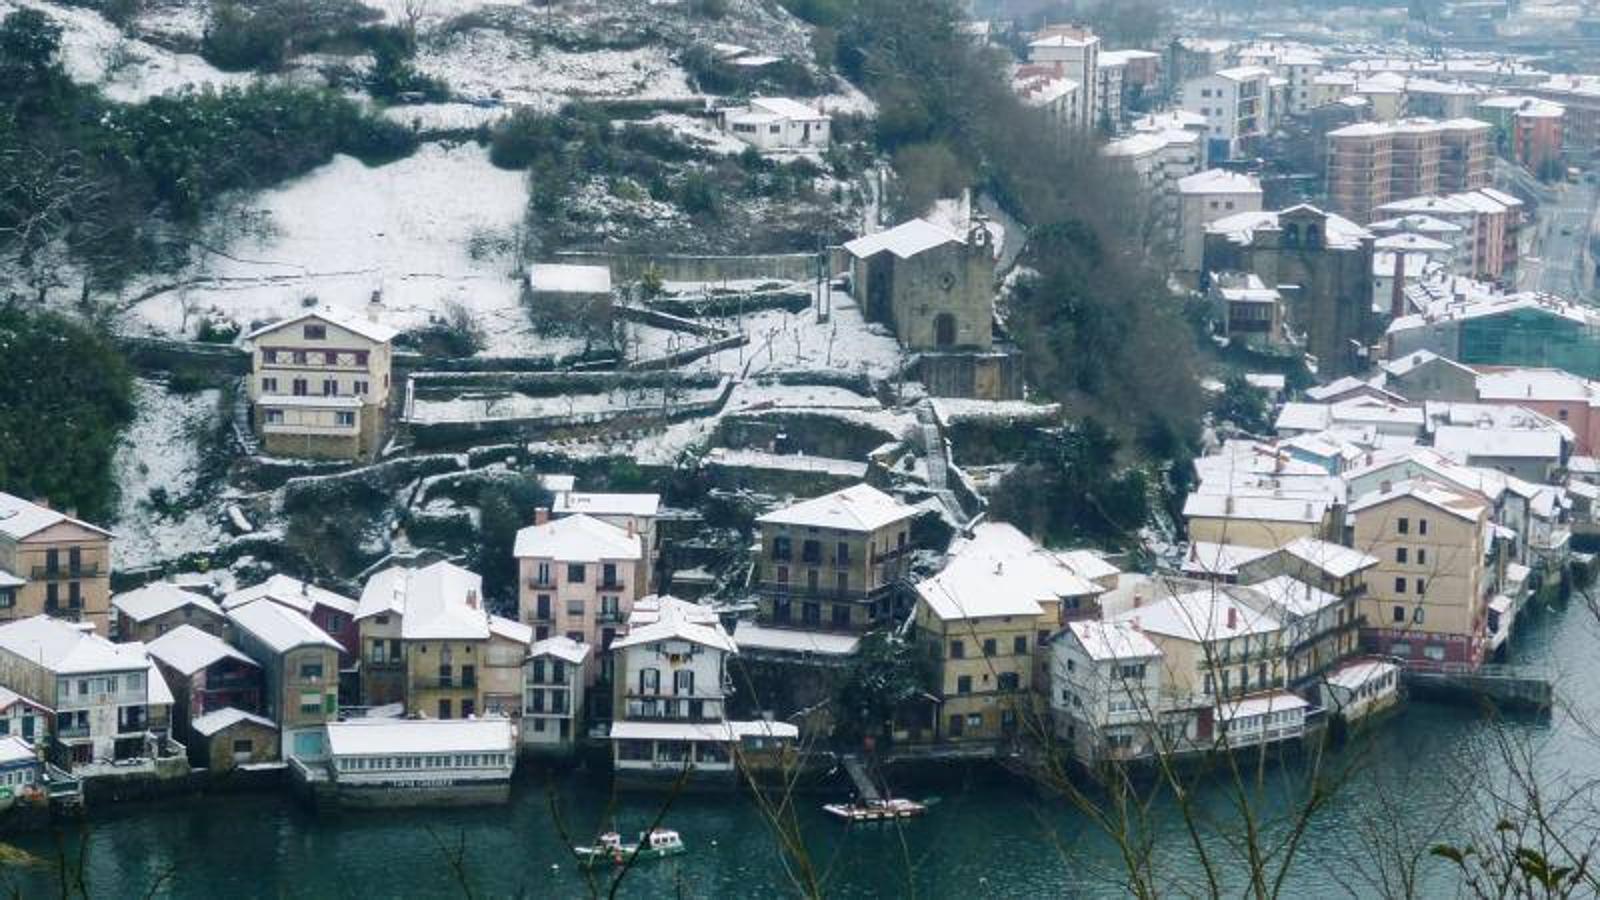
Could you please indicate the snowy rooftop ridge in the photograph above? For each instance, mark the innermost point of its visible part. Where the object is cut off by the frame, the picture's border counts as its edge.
(860, 507)
(187, 650)
(20, 519)
(159, 598)
(279, 627)
(67, 649)
(577, 538)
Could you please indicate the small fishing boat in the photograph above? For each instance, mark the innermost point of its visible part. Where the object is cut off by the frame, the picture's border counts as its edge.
(876, 810)
(609, 850)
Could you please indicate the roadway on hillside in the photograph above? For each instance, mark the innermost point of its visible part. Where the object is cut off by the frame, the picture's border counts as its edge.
(1561, 263)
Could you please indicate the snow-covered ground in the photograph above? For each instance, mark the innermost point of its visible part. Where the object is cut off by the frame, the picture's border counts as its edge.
(161, 450)
(346, 230)
(95, 52)
(785, 341)
(484, 63)
(489, 405)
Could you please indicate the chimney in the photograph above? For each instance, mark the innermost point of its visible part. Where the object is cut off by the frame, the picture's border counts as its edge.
(1397, 302)
(633, 528)
(472, 599)
(1233, 618)
(375, 305)
(999, 567)
(541, 515)
(42, 502)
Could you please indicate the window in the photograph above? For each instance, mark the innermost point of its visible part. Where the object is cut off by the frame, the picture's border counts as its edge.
(783, 574)
(1400, 555)
(1422, 588)
(1131, 672)
(300, 387)
(1416, 615)
(1019, 644)
(1422, 526)
(576, 573)
(958, 650)
(843, 582)
(444, 708)
(1422, 556)
(1434, 652)
(345, 418)
(359, 388)
(989, 647)
(274, 417)
(964, 684)
(1403, 525)
(330, 387)
(575, 607)
(244, 746)
(269, 385)
(841, 615)
(1399, 614)
(780, 547)
(1009, 681)
(269, 356)
(842, 554)
(608, 574)
(310, 704)
(649, 681)
(683, 681)
(311, 671)
(316, 332)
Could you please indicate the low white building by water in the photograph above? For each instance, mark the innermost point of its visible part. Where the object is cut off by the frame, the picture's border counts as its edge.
(407, 762)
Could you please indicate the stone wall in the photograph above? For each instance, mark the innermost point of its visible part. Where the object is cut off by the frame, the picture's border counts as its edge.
(981, 376)
(150, 354)
(671, 267)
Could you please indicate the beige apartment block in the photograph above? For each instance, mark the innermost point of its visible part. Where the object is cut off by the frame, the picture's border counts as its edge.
(320, 383)
(52, 563)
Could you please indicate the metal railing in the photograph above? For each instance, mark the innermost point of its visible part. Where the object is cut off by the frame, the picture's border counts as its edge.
(57, 572)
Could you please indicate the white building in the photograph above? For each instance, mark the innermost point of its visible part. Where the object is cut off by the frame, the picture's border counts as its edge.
(671, 686)
(1237, 105)
(1059, 98)
(1105, 690)
(1205, 197)
(398, 762)
(1075, 54)
(320, 383)
(1156, 163)
(578, 577)
(552, 696)
(106, 701)
(778, 123)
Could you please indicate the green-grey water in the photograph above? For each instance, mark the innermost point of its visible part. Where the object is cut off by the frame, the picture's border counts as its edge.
(1411, 784)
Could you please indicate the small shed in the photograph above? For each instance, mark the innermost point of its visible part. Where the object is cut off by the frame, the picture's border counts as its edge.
(231, 737)
(576, 297)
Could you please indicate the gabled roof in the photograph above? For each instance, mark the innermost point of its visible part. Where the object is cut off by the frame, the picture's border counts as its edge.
(1335, 560)
(999, 571)
(904, 240)
(664, 618)
(444, 602)
(279, 627)
(1403, 366)
(1432, 493)
(860, 507)
(1294, 596)
(1534, 384)
(1218, 181)
(364, 327)
(20, 519)
(227, 717)
(10, 698)
(1112, 640)
(787, 108)
(1260, 509)
(1200, 616)
(561, 647)
(511, 630)
(159, 598)
(577, 538)
(66, 649)
(187, 649)
(14, 749)
(293, 593)
(1466, 441)
(1209, 559)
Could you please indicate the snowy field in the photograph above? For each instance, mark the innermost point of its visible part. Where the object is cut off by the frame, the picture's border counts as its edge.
(490, 405)
(785, 341)
(128, 70)
(160, 451)
(346, 230)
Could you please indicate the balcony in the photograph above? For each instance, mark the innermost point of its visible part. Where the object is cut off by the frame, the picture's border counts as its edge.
(59, 573)
(66, 613)
(542, 583)
(608, 616)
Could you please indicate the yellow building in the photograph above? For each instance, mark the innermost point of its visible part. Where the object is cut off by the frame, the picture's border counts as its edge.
(831, 562)
(319, 384)
(986, 619)
(1428, 596)
(1250, 521)
(54, 564)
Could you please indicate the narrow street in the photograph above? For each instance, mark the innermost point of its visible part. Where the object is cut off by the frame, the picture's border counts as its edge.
(1558, 261)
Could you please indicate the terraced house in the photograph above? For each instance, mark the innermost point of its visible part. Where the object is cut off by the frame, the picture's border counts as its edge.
(578, 577)
(833, 562)
(300, 668)
(53, 563)
(320, 383)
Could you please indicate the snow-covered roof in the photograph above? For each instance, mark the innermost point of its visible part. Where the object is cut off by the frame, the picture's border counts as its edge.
(367, 737)
(1467, 441)
(999, 571)
(1432, 493)
(1417, 223)
(1336, 560)
(279, 627)
(159, 598)
(1243, 73)
(1261, 509)
(1207, 558)
(563, 278)
(14, 749)
(860, 507)
(1261, 704)
(373, 331)
(1123, 57)
(157, 692)
(1294, 596)
(751, 636)
(577, 538)
(8, 580)
(1403, 365)
(1218, 181)
(1411, 242)
(20, 519)
(639, 505)
(1535, 384)
(67, 649)
(561, 647)
(904, 240)
(1199, 616)
(511, 629)
(1088, 564)
(227, 717)
(793, 110)
(444, 602)
(293, 593)
(1339, 233)
(669, 618)
(1112, 640)
(1353, 673)
(10, 698)
(187, 649)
